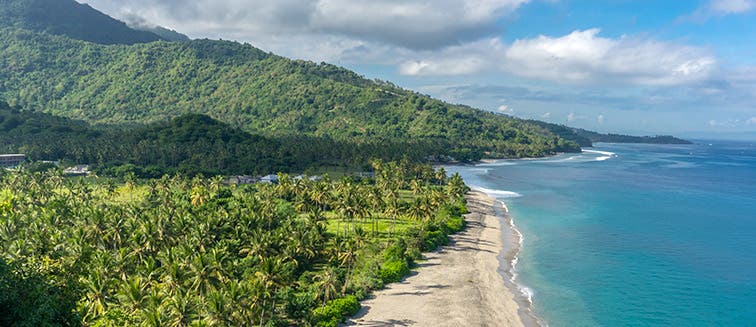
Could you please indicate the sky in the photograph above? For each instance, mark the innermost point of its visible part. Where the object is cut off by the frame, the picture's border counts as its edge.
(685, 67)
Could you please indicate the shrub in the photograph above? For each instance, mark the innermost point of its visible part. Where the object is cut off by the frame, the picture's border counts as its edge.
(335, 311)
(394, 271)
(297, 304)
(413, 254)
(434, 239)
(395, 252)
(455, 225)
(28, 298)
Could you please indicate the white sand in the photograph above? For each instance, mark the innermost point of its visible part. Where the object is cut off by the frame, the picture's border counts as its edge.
(457, 286)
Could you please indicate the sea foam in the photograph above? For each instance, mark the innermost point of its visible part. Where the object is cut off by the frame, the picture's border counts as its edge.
(525, 293)
(497, 193)
(605, 155)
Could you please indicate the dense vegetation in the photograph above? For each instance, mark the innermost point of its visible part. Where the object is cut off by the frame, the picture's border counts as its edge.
(70, 18)
(586, 138)
(180, 252)
(249, 89)
(619, 138)
(565, 132)
(189, 144)
(164, 33)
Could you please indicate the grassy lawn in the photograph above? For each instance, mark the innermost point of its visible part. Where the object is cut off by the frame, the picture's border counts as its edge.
(382, 226)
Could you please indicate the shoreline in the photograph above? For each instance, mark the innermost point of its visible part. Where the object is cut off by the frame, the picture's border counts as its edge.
(466, 283)
(508, 258)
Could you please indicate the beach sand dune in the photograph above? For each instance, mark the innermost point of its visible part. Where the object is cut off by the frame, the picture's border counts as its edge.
(458, 285)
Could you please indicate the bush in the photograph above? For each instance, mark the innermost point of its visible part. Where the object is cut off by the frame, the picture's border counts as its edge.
(395, 252)
(455, 225)
(297, 304)
(432, 240)
(31, 299)
(394, 271)
(335, 311)
(413, 254)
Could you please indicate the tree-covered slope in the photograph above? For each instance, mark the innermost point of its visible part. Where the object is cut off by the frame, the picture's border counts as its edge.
(247, 88)
(70, 18)
(565, 132)
(619, 138)
(188, 144)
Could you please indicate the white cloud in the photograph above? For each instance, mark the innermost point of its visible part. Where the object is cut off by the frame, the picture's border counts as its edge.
(546, 115)
(425, 38)
(446, 66)
(416, 24)
(505, 109)
(600, 119)
(720, 8)
(571, 117)
(584, 57)
(716, 123)
(466, 59)
(726, 7)
(732, 122)
(581, 57)
(412, 24)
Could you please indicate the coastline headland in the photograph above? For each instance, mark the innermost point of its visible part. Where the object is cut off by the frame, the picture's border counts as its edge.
(462, 284)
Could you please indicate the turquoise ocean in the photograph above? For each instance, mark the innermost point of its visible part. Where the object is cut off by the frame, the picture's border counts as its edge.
(633, 235)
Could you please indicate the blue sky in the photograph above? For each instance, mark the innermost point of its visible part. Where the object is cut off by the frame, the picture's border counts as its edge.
(642, 67)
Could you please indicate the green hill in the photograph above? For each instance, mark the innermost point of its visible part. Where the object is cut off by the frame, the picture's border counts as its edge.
(188, 144)
(565, 132)
(619, 138)
(69, 18)
(249, 89)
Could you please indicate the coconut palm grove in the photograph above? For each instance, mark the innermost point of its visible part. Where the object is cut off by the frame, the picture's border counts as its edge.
(177, 251)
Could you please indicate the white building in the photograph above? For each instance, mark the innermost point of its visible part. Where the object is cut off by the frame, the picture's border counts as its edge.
(269, 179)
(11, 160)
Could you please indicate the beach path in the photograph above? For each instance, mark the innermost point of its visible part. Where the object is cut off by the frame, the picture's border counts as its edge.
(459, 285)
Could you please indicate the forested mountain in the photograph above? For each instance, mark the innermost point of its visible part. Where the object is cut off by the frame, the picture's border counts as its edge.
(188, 144)
(564, 132)
(619, 138)
(70, 18)
(246, 88)
(586, 138)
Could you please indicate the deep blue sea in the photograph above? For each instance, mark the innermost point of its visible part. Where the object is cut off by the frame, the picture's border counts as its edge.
(634, 235)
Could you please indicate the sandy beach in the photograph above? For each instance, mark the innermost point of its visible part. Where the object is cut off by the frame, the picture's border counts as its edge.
(459, 285)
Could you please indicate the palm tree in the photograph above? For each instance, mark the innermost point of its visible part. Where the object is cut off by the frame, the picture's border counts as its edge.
(98, 288)
(321, 195)
(133, 294)
(456, 186)
(181, 308)
(440, 176)
(348, 256)
(326, 282)
(130, 180)
(416, 186)
(271, 274)
(391, 205)
(375, 198)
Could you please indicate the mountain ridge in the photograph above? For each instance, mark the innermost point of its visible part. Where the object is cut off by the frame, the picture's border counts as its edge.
(622, 138)
(70, 18)
(247, 88)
